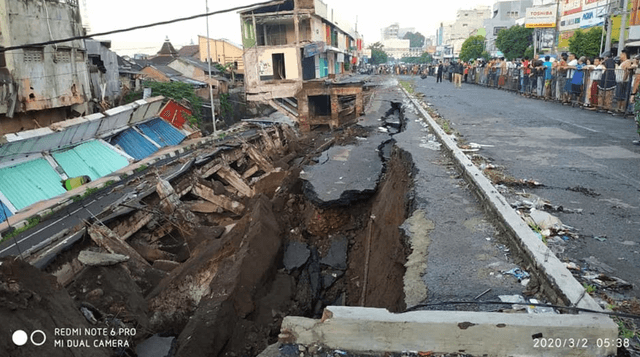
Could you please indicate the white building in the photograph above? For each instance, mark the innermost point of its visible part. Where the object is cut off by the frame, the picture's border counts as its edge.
(467, 24)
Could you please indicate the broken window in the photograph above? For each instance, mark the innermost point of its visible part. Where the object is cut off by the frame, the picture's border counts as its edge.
(278, 66)
(319, 105)
(272, 35)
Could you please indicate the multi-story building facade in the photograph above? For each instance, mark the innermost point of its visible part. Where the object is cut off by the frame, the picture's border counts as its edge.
(505, 14)
(288, 46)
(466, 25)
(41, 84)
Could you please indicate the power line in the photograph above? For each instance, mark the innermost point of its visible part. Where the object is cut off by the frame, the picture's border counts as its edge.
(53, 42)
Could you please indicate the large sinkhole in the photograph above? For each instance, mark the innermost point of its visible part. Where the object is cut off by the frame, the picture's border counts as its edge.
(219, 278)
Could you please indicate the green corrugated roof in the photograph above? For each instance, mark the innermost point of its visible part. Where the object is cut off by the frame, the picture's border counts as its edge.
(27, 183)
(92, 158)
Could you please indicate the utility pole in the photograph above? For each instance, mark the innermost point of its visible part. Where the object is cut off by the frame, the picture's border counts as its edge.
(623, 26)
(555, 28)
(213, 113)
(608, 25)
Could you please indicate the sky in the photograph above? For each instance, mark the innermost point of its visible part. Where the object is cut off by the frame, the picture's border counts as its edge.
(372, 16)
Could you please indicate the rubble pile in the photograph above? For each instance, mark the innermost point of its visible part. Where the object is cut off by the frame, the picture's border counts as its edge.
(210, 260)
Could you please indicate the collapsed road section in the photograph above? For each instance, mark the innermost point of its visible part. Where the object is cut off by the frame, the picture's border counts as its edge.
(310, 245)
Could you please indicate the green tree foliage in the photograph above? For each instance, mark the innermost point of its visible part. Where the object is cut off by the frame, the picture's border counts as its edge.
(472, 48)
(425, 58)
(178, 91)
(586, 43)
(378, 56)
(514, 41)
(417, 39)
(529, 52)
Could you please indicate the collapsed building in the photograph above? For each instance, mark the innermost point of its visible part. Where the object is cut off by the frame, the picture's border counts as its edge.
(44, 84)
(295, 53)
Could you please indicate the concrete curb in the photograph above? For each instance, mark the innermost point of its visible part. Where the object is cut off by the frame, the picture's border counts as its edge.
(558, 283)
(357, 329)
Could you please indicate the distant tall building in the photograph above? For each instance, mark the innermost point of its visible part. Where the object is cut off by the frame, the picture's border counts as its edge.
(395, 32)
(467, 24)
(505, 14)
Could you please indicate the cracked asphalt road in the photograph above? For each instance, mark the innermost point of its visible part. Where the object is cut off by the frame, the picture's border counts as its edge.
(561, 147)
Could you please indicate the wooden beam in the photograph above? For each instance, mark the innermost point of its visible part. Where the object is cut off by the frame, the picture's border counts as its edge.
(107, 239)
(212, 171)
(250, 171)
(202, 207)
(221, 201)
(234, 179)
(258, 158)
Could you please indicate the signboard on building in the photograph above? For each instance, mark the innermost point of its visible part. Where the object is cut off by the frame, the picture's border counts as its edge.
(542, 16)
(570, 7)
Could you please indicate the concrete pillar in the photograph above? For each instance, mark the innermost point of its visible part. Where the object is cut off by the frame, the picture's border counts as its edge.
(303, 112)
(335, 111)
(359, 103)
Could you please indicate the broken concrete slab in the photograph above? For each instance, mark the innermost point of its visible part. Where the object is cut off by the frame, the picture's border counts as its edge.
(351, 173)
(336, 257)
(474, 333)
(296, 255)
(90, 258)
(203, 207)
(156, 346)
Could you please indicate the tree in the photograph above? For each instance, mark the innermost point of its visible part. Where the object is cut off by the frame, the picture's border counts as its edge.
(423, 59)
(586, 43)
(514, 41)
(472, 48)
(178, 91)
(416, 39)
(378, 56)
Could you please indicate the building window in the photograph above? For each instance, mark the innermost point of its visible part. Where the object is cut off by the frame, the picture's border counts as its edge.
(496, 30)
(79, 56)
(272, 35)
(63, 55)
(33, 55)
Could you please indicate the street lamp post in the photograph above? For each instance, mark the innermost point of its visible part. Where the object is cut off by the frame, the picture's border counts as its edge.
(213, 114)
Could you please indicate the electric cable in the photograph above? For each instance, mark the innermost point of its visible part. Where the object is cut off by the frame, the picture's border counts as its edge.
(181, 19)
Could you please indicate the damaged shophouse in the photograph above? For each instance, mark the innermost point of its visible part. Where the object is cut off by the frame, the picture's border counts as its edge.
(296, 53)
(44, 84)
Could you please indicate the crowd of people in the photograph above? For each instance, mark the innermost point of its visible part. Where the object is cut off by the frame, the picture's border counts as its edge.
(604, 83)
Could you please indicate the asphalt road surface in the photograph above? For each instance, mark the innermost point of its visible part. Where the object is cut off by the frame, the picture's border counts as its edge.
(561, 147)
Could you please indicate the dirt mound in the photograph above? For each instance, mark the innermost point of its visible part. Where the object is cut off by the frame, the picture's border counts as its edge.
(219, 283)
(31, 300)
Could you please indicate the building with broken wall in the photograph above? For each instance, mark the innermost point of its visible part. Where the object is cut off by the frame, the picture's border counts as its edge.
(103, 72)
(41, 84)
(291, 48)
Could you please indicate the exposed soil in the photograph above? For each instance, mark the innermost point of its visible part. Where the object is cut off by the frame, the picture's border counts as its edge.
(217, 281)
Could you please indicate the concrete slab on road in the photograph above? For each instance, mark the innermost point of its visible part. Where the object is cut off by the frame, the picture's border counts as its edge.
(357, 329)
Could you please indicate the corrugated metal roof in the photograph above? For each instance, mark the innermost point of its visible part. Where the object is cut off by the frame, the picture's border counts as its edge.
(163, 133)
(27, 183)
(134, 144)
(92, 158)
(4, 212)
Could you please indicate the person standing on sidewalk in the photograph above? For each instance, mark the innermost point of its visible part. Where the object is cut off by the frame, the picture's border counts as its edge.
(607, 82)
(457, 75)
(439, 71)
(548, 66)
